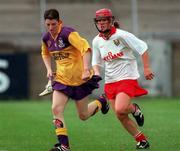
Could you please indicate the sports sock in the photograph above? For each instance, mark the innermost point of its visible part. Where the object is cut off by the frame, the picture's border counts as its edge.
(98, 103)
(139, 137)
(62, 136)
(61, 133)
(99, 106)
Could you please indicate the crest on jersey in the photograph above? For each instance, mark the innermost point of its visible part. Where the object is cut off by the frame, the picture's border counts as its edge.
(49, 43)
(60, 43)
(117, 42)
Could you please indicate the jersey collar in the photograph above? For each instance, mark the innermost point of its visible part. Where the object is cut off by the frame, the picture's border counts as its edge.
(112, 31)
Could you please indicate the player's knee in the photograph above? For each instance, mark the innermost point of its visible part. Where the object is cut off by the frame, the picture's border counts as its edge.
(121, 114)
(55, 110)
(83, 116)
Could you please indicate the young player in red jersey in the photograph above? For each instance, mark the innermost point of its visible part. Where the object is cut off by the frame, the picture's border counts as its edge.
(73, 79)
(115, 48)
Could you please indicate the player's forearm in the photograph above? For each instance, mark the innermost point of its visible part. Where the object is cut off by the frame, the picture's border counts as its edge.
(86, 60)
(47, 62)
(149, 75)
(96, 69)
(145, 60)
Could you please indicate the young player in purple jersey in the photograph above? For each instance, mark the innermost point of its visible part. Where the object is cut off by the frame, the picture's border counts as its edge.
(73, 78)
(115, 47)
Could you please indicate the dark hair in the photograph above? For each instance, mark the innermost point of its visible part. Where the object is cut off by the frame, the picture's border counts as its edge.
(51, 14)
(116, 24)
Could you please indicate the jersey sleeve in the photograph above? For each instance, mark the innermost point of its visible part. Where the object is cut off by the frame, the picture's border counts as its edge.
(78, 42)
(135, 43)
(96, 56)
(44, 50)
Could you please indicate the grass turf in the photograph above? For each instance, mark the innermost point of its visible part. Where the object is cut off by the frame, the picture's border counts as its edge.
(27, 126)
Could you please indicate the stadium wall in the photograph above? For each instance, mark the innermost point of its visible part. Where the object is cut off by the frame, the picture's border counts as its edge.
(20, 31)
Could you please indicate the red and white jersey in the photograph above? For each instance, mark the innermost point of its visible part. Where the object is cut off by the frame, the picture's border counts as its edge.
(116, 54)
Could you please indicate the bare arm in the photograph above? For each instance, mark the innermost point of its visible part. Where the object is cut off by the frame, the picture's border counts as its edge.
(147, 69)
(96, 69)
(47, 62)
(86, 61)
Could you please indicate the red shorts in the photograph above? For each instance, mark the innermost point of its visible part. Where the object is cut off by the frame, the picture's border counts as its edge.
(130, 87)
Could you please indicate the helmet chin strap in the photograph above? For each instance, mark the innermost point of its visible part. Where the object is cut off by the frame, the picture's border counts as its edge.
(106, 33)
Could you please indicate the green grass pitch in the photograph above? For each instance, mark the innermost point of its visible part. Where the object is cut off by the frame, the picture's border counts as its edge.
(27, 126)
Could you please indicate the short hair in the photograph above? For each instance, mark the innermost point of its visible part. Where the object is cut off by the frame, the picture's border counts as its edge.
(51, 14)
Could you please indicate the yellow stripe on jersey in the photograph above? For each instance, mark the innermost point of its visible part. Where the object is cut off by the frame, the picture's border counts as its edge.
(61, 131)
(44, 50)
(78, 42)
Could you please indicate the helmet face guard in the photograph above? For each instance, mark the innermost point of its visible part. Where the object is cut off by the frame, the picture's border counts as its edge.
(104, 15)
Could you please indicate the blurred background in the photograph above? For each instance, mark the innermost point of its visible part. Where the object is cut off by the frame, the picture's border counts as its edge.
(22, 73)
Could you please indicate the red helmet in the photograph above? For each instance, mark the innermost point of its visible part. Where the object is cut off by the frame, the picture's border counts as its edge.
(105, 12)
(101, 14)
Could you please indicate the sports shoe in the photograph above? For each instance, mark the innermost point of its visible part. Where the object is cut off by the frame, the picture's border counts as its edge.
(48, 89)
(142, 145)
(138, 115)
(59, 147)
(104, 103)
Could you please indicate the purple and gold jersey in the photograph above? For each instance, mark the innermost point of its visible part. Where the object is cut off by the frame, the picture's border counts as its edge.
(67, 50)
